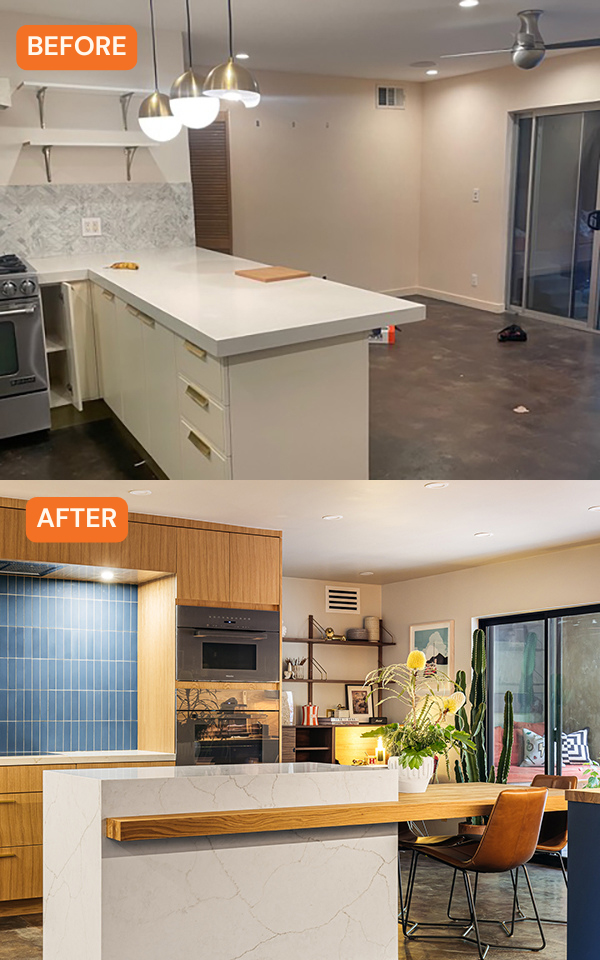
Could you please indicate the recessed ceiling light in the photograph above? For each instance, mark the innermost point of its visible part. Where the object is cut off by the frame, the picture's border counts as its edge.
(435, 486)
(593, 509)
(140, 493)
(332, 516)
(107, 575)
(483, 533)
(242, 56)
(468, 3)
(367, 573)
(432, 73)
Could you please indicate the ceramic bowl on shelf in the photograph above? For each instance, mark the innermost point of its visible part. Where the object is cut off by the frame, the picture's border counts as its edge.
(357, 633)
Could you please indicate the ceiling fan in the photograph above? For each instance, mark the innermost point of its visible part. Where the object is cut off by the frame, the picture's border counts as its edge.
(529, 48)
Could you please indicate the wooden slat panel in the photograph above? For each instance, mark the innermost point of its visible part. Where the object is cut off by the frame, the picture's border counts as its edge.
(156, 665)
(20, 872)
(255, 569)
(441, 801)
(20, 819)
(25, 778)
(211, 186)
(203, 565)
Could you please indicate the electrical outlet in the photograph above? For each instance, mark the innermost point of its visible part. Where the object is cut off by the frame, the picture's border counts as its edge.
(476, 195)
(474, 280)
(91, 227)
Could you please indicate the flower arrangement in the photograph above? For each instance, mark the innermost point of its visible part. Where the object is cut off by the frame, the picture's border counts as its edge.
(429, 729)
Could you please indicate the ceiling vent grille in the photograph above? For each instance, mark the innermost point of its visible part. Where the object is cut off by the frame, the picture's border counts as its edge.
(391, 98)
(342, 599)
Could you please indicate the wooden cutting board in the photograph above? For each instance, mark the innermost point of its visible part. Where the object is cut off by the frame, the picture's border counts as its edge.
(271, 274)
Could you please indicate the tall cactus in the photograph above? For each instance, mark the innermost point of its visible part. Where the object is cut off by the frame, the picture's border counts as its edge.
(472, 767)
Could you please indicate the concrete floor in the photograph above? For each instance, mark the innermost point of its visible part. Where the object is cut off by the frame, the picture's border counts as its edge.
(442, 400)
(21, 937)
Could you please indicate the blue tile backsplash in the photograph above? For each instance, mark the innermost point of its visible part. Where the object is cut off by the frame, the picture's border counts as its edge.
(68, 666)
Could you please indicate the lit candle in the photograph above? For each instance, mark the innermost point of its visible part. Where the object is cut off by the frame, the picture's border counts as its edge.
(380, 751)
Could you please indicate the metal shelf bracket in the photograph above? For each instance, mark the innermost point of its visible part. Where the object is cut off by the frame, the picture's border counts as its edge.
(47, 151)
(125, 100)
(130, 153)
(41, 99)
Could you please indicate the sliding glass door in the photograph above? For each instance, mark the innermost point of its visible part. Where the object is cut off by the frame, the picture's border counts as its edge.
(550, 661)
(555, 253)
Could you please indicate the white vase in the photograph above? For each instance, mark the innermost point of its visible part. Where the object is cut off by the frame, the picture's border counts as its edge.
(413, 781)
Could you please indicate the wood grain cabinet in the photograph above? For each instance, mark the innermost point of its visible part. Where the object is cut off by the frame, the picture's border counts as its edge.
(203, 565)
(255, 569)
(20, 872)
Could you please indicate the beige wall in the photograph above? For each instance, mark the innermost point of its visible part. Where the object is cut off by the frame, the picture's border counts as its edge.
(302, 597)
(25, 165)
(336, 194)
(466, 145)
(560, 579)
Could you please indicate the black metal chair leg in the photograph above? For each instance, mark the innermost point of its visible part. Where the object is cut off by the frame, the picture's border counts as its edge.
(535, 909)
(472, 911)
(409, 893)
(400, 897)
(562, 867)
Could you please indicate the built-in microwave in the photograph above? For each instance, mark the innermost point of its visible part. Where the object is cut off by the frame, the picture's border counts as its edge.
(227, 645)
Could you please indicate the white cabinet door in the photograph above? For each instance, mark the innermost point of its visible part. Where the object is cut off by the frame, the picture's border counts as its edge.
(83, 331)
(161, 396)
(107, 345)
(72, 363)
(132, 372)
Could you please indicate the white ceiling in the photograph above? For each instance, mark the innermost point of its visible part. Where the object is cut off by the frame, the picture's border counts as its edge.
(396, 528)
(359, 38)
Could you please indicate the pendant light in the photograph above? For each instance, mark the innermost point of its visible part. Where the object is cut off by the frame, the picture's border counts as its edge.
(155, 117)
(230, 81)
(187, 101)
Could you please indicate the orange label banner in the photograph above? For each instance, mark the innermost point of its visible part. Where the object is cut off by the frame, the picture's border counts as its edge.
(87, 47)
(76, 519)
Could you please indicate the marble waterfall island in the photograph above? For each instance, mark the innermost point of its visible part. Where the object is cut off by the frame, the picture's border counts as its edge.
(248, 880)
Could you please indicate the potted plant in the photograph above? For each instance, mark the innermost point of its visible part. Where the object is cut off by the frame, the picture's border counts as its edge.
(428, 730)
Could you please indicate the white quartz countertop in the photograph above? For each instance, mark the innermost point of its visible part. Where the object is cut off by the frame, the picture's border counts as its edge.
(195, 293)
(97, 756)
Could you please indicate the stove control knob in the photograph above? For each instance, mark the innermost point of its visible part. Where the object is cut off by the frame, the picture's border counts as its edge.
(9, 289)
(28, 287)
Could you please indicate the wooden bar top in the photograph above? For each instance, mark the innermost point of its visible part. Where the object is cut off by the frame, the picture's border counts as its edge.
(441, 801)
(583, 796)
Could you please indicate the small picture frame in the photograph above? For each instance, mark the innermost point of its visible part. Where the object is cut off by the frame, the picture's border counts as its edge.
(360, 705)
(436, 641)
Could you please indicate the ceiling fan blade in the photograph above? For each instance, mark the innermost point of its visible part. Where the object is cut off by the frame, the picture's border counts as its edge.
(475, 53)
(573, 44)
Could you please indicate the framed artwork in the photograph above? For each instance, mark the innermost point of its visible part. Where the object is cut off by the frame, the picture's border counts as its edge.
(359, 703)
(436, 641)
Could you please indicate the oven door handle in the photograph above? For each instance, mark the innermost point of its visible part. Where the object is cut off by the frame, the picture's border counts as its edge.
(12, 313)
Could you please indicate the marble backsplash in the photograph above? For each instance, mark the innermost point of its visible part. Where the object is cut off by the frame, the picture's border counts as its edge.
(38, 221)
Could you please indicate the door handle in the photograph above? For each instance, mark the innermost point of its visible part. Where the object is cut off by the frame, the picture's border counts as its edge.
(12, 313)
(196, 351)
(197, 397)
(7, 801)
(108, 294)
(199, 444)
(5, 856)
(147, 320)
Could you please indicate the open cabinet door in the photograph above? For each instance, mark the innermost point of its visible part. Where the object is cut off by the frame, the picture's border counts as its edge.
(69, 332)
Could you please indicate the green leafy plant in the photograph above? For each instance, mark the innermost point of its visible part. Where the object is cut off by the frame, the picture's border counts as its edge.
(593, 775)
(427, 730)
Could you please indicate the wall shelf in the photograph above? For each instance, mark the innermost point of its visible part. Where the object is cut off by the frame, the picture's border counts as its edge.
(125, 94)
(342, 643)
(124, 140)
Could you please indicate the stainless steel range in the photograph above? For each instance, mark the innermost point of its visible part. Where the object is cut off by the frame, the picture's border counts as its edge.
(24, 394)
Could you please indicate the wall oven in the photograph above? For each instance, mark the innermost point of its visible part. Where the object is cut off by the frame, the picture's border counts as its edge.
(216, 726)
(227, 645)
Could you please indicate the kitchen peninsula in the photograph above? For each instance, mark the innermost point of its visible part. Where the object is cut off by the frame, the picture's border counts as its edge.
(219, 376)
(295, 893)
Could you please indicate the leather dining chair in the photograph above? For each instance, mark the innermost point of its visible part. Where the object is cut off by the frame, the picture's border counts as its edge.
(507, 844)
(553, 833)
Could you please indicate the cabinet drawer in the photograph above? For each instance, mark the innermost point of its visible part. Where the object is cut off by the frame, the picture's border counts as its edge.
(27, 779)
(203, 413)
(199, 367)
(20, 819)
(20, 872)
(200, 460)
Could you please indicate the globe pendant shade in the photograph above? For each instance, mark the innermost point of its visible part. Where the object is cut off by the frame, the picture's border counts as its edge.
(188, 103)
(230, 81)
(156, 119)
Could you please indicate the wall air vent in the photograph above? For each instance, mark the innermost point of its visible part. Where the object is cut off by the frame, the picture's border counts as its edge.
(342, 599)
(391, 98)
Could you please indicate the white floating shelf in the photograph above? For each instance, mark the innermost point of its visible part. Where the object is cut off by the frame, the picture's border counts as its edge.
(82, 88)
(89, 138)
(59, 397)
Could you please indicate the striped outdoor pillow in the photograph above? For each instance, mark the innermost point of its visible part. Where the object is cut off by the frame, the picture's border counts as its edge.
(575, 747)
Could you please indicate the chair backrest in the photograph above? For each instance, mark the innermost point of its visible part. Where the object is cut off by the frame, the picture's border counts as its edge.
(565, 783)
(511, 835)
(543, 780)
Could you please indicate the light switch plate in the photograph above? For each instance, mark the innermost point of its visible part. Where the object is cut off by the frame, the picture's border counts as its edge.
(91, 227)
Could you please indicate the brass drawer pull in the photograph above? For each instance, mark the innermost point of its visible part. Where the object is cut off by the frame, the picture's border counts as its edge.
(5, 856)
(7, 801)
(141, 316)
(196, 351)
(196, 396)
(108, 295)
(200, 444)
